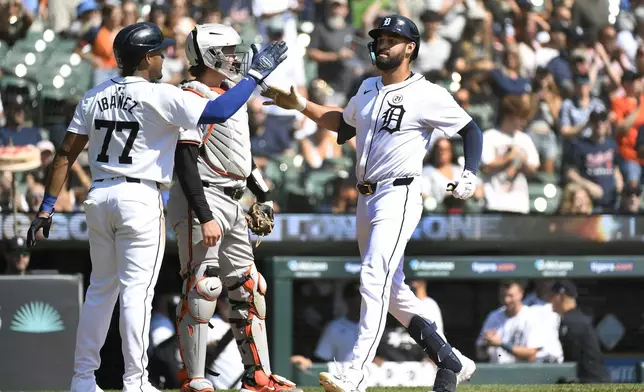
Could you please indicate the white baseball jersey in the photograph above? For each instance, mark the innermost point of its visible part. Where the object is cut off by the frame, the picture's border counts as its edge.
(337, 340)
(548, 323)
(225, 157)
(133, 126)
(394, 124)
(522, 329)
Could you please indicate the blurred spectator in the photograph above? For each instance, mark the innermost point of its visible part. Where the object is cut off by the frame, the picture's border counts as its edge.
(575, 112)
(630, 200)
(158, 15)
(280, 124)
(537, 292)
(178, 21)
(591, 15)
(266, 11)
(345, 197)
(434, 51)
(559, 66)
(546, 104)
(546, 144)
(629, 117)
(18, 129)
(474, 51)
(454, 14)
(609, 60)
(593, 164)
(330, 49)
(441, 168)
(507, 80)
(34, 196)
(510, 333)
(432, 310)
(47, 151)
(61, 14)
(17, 256)
(340, 335)
(509, 155)
(537, 300)
(15, 21)
(578, 337)
(130, 12)
(631, 38)
(88, 18)
(96, 45)
(575, 200)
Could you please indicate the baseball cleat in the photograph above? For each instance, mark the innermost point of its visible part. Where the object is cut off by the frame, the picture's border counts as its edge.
(259, 382)
(336, 383)
(469, 367)
(197, 385)
(445, 381)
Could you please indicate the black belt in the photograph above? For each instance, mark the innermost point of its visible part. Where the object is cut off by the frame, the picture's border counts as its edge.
(368, 188)
(233, 193)
(127, 179)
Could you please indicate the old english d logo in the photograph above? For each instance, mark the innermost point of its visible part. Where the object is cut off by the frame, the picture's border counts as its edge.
(392, 118)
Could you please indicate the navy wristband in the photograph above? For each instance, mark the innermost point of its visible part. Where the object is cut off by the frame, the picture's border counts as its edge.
(48, 203)
(507, 347)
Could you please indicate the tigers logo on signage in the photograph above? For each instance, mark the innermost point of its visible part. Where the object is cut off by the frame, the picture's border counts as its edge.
(37, 317)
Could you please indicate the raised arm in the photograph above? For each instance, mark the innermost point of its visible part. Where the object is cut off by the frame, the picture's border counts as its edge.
(221, 109)
(328, 117)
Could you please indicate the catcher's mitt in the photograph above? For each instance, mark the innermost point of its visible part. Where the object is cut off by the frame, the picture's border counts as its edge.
(260, 219)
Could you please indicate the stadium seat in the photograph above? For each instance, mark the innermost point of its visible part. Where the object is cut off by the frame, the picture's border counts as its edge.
(317, 181)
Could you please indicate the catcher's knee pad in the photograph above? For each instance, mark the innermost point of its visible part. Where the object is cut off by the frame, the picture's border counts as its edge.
(200, 293)
(426, 335)
(248, 312)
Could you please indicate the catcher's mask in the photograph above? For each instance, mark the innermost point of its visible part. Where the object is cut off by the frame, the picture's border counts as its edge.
(215, 46)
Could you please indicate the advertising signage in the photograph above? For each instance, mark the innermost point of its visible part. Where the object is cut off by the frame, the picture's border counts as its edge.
(324, 228)
(469, 267)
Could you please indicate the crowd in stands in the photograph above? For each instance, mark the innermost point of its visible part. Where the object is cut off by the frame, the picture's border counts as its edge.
(556, 85)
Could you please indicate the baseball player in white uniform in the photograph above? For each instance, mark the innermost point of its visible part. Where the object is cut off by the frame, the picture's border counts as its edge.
(213, 166)
(392, 117)
(132, 126)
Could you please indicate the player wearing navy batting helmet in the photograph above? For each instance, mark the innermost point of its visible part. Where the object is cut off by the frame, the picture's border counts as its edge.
(393, 116)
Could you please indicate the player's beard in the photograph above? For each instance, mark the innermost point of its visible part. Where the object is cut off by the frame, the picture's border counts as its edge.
(391, 62)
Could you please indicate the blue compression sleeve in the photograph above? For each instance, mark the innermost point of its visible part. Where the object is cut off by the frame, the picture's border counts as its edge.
(223, 107)
(472, 146)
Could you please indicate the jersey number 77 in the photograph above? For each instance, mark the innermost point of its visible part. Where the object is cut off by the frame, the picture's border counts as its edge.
(117, 126)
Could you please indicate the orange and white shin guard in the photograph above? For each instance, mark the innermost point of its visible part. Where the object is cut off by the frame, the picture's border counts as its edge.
(248, 313)
(200, 293)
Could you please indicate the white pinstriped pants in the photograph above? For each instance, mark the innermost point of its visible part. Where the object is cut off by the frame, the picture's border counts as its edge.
(385, 222)
(127, 241)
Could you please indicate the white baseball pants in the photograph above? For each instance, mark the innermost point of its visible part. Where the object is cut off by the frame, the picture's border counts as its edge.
(127, 240)
(385, 222)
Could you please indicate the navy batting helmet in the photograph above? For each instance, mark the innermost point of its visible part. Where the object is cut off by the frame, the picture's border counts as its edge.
(396, 24)
(133, 42)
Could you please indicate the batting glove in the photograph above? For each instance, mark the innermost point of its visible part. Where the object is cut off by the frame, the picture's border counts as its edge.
(464, 187)
(267, 60)
(39, 222)
(290, 101)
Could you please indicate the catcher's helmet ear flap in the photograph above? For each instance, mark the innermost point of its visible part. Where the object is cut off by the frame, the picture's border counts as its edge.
(396, 24)
(196, 46)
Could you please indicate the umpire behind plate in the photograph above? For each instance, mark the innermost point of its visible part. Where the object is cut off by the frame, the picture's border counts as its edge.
(393, 117)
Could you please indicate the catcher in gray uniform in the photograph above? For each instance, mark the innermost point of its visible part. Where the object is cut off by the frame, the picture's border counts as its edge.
(213, 166)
